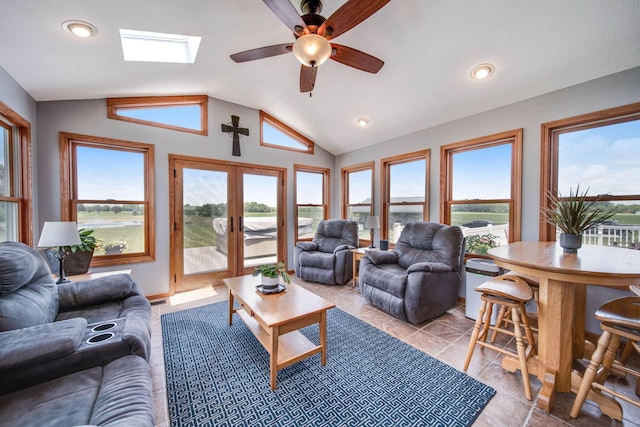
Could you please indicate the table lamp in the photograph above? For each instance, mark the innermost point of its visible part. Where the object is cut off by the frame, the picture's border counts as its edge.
(372, 223)
(59, 234)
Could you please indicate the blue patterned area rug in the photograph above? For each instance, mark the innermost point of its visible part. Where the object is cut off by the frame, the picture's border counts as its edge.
(218, 375)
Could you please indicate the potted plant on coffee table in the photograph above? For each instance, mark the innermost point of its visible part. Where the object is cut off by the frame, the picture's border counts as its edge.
(271, 274)
(78, 259)
(574, 214)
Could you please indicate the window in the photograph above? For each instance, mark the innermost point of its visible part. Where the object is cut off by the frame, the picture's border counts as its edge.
(16, 222)
(480, 186)
(275, 134)
(182, 113)
(357, 193)
(107, 185)
(600, 152)
(404, 193)
(147, 46)
(312, 199)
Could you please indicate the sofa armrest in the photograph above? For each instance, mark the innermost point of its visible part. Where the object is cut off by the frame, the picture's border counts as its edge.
(382, 257)
(343, 248)
(41, 343)
(307, 246)
(429, 267)
(102, 289)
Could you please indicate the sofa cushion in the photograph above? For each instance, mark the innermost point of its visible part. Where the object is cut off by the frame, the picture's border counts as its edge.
(118, 394)
(28, 346)
(29, 296)
(17, 266)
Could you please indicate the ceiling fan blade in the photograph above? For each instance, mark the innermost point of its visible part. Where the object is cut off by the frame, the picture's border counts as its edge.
(307, 78)
(262, 52)
(349, 15)
(288, 14)
(356, 59)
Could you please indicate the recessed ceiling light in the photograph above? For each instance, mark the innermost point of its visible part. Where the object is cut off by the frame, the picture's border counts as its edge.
(363, 122)
(80, 28)
(482, 71)
(147, 46)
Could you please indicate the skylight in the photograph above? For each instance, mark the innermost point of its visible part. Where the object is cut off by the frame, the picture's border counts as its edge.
(146, 46)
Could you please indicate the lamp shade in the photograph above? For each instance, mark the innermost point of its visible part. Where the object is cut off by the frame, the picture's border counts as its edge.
(312, 50)
(372, 222)
(59, 233)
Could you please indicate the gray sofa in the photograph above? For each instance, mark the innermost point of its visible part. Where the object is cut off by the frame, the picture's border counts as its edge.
(420, 279)
(328, 258)
(117, 394)
(50, 333)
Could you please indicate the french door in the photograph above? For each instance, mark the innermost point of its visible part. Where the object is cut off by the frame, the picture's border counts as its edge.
(226, 218)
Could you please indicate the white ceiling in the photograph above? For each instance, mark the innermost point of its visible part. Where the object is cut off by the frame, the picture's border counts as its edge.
(429, 48)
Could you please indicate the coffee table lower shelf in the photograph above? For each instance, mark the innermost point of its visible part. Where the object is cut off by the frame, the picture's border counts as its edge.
(289, 346)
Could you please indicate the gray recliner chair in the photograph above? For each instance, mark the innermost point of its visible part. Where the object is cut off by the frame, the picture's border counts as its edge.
(421, 278)
(328, 258)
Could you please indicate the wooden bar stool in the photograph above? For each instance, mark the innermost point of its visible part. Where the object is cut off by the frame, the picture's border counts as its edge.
(511, 292)
(504, 316)
(620, 318)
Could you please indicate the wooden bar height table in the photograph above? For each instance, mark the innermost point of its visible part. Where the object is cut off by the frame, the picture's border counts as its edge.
(561, 305)
(274, 319)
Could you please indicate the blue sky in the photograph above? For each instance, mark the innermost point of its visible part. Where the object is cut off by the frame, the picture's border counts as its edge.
(604, 159)
(186, 116)
(483, 173)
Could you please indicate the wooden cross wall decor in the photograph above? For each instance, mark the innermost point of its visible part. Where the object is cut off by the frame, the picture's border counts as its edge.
(236, 130)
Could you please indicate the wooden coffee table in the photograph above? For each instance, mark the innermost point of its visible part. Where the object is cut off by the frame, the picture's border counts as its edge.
(275, 319)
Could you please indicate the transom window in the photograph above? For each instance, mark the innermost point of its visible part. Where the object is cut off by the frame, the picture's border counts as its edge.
(481, 189)
(16, 222)
(312, 199)
(108, 187)
(600, 152)
(275, 134)
(181, 113)
(405, 192)
(357, 193)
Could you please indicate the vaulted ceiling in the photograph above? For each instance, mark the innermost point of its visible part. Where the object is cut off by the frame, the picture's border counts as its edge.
(429, 49)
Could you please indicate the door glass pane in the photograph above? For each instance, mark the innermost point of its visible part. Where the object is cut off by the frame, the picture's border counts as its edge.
(205, 233)
(260, 219)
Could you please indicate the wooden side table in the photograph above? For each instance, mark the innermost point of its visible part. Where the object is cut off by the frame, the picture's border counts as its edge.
(358, 253)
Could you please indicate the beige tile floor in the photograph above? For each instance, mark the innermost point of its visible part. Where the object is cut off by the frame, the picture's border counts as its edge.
(445, 338)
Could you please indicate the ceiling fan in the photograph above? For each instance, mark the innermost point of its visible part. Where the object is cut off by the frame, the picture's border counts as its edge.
(313, 33)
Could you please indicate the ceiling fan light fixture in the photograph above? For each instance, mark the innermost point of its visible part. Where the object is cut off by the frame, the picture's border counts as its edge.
(482, 71)
(80, 28)
(312, 50)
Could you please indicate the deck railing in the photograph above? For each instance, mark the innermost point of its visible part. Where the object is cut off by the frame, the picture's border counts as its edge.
(612, 235)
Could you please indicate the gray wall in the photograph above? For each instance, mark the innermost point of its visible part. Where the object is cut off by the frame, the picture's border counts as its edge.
(612, 91)
(12, 94)
(89, 117)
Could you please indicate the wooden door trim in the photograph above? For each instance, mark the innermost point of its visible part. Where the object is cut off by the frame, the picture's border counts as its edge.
(176, 252)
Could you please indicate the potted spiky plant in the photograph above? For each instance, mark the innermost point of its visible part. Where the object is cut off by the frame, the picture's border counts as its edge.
(271, 274)
(574, 214)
